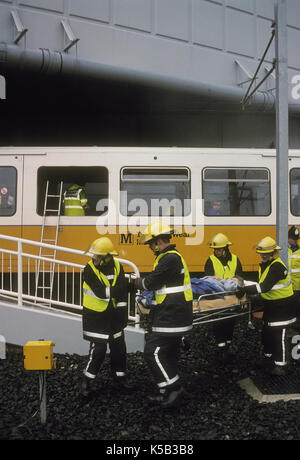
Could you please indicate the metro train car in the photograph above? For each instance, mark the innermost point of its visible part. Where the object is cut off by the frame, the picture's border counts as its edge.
(197, 191)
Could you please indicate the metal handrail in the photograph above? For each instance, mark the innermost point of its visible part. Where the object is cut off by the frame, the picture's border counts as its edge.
(20, 255)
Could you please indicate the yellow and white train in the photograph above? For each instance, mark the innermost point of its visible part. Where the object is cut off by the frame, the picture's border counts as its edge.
(125, 187)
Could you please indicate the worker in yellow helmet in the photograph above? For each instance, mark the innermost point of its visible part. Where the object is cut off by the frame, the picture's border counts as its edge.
(105, 313)
(276, 293)
(294, 268)
(223, 264)
(171, 314)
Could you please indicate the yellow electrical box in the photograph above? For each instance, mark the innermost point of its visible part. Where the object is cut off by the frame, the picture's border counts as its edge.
(38, 355)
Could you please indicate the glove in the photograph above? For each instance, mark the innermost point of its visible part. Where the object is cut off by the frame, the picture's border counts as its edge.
(240, 292)
(139, 284)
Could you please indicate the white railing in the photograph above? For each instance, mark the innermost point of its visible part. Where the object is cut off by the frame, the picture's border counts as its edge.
(21, 272)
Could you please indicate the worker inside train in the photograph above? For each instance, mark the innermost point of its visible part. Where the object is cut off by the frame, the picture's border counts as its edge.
(75, 200)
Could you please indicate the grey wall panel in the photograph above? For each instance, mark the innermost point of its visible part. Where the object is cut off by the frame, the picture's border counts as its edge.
(37, 23)
(294, 47)
(208, 24)
(265, 8)
(243, 5)
(135, 14)
(53, 5)
(240, 33)
(7, 30)
(293, 13)
(98, 10)
(205, 67)
(172, 18)
(169, 57)
(97, 42)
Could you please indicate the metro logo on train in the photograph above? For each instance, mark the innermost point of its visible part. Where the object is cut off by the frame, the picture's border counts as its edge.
(198, 191)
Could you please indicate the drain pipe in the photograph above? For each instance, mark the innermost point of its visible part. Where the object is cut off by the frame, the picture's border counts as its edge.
(47, 62)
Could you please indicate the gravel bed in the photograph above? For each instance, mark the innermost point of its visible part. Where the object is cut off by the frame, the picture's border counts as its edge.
(214, 406)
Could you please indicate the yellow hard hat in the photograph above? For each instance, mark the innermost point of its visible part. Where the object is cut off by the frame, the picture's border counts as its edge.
(267, 245)
(101, 246)
(154, 230)
(219, 241)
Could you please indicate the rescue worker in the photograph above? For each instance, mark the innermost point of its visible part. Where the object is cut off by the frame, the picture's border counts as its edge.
(171, 313)
(276, 292)
(294, 266)
(75, 201)
(223, 264)
(105, 313)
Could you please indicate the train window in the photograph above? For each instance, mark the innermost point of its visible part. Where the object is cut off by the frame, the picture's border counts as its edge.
(155, 191)
(295, 191)
(93, 180)
(236, 192)
(8, 189)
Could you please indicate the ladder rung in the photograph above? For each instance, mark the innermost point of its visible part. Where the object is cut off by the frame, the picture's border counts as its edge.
(52, 210)
(47, 239)
(53, 196)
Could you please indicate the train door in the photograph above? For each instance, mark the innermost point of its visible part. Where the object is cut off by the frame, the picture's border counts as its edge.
(11, 194)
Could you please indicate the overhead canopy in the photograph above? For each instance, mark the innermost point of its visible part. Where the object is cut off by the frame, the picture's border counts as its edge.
(183, 94)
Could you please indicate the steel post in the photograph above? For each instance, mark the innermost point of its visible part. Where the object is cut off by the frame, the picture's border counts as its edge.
(43, 398)
(282, 131)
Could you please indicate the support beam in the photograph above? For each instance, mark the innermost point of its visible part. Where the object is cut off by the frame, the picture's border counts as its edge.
(19, 26)
(282, 128)
(69, 33)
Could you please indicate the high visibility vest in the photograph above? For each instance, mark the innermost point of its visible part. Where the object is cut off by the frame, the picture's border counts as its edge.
(90, 300)
(224, 272)
(294, 267)
(74, 201)
(161, 294)
(280, 290)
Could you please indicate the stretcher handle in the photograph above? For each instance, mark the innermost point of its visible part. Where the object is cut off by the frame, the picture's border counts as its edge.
(217, 293)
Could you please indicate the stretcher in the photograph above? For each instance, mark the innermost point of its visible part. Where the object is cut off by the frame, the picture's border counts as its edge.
(209, 308)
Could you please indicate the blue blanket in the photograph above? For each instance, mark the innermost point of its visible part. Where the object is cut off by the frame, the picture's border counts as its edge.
(200, 286)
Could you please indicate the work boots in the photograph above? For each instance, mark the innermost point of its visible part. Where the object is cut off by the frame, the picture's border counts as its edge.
(224, 355)
(122, 384)
(169, 398)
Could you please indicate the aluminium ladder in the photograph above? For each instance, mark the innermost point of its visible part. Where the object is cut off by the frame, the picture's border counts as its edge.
(45, 270)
